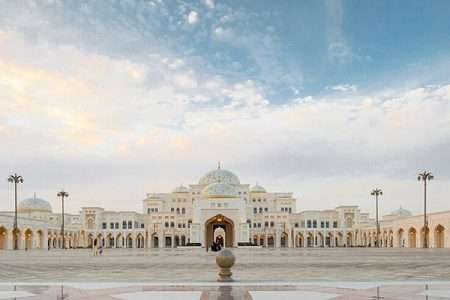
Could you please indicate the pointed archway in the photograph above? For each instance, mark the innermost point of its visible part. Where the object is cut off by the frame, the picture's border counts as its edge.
(219, 221)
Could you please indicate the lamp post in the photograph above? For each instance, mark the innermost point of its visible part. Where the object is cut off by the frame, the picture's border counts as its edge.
(15, 179)
(63, 194)
(425, 176)
(376, 193)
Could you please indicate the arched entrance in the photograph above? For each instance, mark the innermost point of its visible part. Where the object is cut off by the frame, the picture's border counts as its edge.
(155, 240)
(439, 236)
(284, 240)
(16, 238)
(3, 238)
(28, 239)
(412, 238)
(219, 221)
(299, 239)
(425, 234)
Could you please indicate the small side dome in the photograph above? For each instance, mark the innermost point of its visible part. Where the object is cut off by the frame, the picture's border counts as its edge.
(181, 189)
(34, 205)
(220, 190)
(257, 189)
(401, 212)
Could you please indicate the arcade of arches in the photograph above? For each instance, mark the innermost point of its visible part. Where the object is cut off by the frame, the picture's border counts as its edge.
(220, 229)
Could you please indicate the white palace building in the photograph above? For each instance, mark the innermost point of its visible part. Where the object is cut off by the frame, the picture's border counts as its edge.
(219, 208)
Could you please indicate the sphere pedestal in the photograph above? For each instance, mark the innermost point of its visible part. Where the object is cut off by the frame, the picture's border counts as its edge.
(225, 260)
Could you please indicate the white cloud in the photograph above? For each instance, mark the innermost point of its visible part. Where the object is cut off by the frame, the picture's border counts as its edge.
(135, 118)
(339, 49)
(209, 3)
(193, 17)
(344, 88)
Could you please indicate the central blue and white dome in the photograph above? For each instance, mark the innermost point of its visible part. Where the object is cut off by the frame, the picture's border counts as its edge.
(219, 175)
(220, 190)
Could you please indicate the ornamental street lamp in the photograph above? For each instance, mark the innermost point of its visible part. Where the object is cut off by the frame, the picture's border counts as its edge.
(63, 194)
(15, 179)
(425, 176)
(376, 193)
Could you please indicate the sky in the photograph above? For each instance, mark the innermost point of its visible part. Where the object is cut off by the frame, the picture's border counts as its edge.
(111, 100)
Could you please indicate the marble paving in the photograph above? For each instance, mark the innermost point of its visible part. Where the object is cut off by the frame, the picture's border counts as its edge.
(233, 291)
(196, 265)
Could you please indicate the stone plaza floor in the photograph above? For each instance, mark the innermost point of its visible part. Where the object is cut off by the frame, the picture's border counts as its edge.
(252, 265)
(305, 291)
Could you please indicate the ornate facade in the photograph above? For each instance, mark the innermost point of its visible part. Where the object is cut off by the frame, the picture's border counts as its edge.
(219, 208)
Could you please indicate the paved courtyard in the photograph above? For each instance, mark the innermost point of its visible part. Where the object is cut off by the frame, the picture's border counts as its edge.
(195, 265)
(301, 291)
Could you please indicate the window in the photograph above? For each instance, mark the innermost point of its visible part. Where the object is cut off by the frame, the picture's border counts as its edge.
(166, 224)
(172, 224)
(111, 225)
(322, 224)
(130, 225)
(308, 224)
(172, 209)
(142, 225)
(104, 225)
(260, 210)
(255, 210)
(183, 210)
(296, 225)
(148, 210)
(266, 224)
(290, 210)
(314, 224)
(117, 225)
(327, 224)
(178, 210)
(266, 209)
(259, 225)
(272, 224)
(124, 225)
(254, 225)
(335, 224)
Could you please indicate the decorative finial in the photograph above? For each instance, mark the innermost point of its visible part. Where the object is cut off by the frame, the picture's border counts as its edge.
(218, 165)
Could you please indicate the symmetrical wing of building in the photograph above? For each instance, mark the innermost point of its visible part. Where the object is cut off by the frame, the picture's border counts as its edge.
(218, 207)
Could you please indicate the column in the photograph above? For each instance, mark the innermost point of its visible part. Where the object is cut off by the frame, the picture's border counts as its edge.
(161, 239)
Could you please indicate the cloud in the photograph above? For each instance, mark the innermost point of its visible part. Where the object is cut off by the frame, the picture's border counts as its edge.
(209, 3)
(193, 17)
(344, 88)
(339, 49)
(116, 120)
